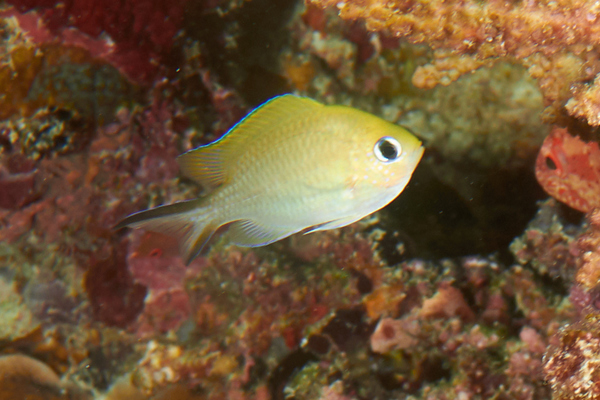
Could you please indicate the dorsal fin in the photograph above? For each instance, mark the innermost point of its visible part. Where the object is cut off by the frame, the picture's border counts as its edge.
(208, 164)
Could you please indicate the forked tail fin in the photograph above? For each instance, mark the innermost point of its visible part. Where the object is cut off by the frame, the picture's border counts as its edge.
(189, 221)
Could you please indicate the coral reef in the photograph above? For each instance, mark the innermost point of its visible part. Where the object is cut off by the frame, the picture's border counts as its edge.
(55, 75)
(570, 360)
(588, 246)
(555, 41)
(481, 133)
(430, 345)
(424, 300)
(571, 365)
(495, 125)
(548, 244)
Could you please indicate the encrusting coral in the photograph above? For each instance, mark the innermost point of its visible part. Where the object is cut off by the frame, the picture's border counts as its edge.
(367, 311)
(572, 359)
(571, 365)
(588, 273)
(556, 40)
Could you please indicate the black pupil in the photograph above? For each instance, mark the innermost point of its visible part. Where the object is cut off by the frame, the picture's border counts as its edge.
(388, 150)
(550, 163)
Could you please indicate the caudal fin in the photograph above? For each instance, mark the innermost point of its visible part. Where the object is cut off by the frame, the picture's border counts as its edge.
(189, 221)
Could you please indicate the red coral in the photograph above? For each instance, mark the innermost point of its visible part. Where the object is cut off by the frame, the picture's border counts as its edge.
(115, 298)
(16, 190)
(569, 170)
(142, 30)
(154, 262)
(17, 178)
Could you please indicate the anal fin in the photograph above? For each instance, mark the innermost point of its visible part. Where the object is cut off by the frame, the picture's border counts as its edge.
(250, 234)
(336, 223)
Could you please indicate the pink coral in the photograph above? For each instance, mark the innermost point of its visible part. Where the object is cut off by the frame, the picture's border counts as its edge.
(154, 263)
(394, 334)
(448, 302)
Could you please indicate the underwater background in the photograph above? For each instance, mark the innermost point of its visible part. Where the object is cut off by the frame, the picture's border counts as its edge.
(480, 281)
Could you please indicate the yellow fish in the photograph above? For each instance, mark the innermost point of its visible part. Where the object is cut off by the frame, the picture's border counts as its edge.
(291, 165)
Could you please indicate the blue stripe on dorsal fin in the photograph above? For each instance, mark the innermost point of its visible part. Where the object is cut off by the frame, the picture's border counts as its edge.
(208, 165)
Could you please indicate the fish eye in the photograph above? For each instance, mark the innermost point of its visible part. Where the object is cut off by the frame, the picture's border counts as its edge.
(387, 149)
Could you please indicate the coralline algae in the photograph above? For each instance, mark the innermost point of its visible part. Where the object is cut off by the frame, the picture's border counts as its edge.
(428, 299)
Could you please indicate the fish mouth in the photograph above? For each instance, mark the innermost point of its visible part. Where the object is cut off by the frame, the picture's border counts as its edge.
(413, 161)
(410, 163)
(416, 155)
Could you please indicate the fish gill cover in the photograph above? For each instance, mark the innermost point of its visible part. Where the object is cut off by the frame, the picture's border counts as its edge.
(474, 283)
